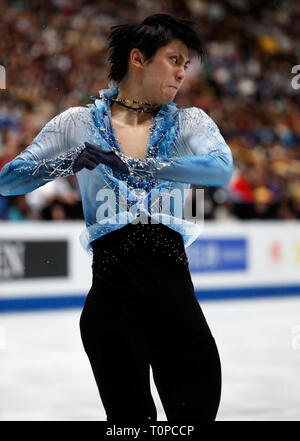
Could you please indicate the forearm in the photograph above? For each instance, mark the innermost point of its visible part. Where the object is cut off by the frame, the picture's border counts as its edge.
(22, 176)
(51, 154)
(204, 170)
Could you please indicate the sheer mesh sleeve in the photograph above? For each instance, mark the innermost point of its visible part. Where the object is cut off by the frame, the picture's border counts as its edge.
(50, 155)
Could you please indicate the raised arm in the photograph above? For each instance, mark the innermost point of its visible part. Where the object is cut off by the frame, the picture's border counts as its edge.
(50, 155)
(204, 158)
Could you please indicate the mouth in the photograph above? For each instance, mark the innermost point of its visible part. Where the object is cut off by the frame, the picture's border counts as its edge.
(174, 87)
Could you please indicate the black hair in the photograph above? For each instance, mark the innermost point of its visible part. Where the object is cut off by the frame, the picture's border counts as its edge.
(155, 31)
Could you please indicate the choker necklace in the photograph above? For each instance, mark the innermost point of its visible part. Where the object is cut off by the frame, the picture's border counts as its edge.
(140, 109)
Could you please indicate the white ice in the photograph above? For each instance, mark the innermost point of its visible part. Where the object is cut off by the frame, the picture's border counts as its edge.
(45, 373)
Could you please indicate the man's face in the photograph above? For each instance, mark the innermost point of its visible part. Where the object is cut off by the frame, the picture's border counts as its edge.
(165, 72)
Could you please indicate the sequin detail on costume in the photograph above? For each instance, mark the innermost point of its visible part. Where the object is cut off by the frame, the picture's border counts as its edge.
(185, 147)
(207, 141)
(163, 131)
(147, 240)
(62, 166)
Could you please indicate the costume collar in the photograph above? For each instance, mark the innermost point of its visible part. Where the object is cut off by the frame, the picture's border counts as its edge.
(163, 131)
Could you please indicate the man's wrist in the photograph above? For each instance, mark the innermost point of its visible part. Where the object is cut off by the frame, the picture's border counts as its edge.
(74, 155)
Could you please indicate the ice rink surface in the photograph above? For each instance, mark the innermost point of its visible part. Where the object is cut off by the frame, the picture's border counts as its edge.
(45, 373)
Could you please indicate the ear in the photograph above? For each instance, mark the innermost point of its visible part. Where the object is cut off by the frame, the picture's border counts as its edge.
(136, 57)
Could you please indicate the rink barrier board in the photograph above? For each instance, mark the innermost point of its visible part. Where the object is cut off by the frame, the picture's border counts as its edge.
(229, 260)
(73, 301)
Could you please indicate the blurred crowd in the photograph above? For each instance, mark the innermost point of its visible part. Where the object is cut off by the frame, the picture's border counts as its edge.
(55, 56)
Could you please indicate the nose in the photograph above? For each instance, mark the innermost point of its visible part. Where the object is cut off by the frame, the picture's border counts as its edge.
(180, 74)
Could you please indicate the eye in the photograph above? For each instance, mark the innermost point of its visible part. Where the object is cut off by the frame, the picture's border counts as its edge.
(176, 62)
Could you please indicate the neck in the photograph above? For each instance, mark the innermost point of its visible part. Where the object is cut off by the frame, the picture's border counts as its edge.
(129, 117)
(135, 105)
(132, 90)
(135, 98)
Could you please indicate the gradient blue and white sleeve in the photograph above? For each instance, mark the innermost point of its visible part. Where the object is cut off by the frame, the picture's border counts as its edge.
(202, 155)
(50, 155)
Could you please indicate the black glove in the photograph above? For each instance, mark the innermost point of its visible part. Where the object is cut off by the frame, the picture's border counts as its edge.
(92, 155)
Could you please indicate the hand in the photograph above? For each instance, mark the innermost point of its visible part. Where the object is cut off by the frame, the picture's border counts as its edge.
(92, 156)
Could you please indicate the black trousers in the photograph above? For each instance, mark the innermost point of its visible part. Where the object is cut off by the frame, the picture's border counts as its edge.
(142, 311)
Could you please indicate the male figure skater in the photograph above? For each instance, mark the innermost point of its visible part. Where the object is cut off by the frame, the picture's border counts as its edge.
(127, 149)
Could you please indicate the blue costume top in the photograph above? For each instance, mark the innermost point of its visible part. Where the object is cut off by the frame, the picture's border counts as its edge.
(185, 147)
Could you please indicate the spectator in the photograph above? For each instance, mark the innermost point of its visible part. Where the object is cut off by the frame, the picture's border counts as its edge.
(55, 57)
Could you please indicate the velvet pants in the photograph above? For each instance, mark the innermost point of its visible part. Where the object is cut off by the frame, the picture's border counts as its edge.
(142, 312)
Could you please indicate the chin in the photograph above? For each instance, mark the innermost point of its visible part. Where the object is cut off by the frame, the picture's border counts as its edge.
(169, 98)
